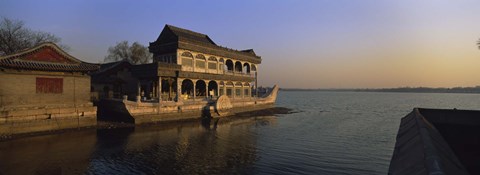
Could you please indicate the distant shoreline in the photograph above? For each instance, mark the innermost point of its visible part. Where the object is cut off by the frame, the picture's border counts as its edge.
(464, 90)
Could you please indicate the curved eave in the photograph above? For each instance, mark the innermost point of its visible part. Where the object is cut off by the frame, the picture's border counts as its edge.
(14, 61)
(38, 48)
(82, 67)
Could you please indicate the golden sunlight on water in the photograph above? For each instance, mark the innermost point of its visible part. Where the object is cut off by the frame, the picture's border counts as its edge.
(331, 133)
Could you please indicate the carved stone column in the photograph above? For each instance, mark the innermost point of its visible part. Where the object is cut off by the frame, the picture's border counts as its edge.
(139, 91)
(159, 89)
(218, 89)
(234, 91)
(224, 89)
(249, 91)
(170, 86)
(194, 89)
(179, 88)
(206, 90)
(242, 91)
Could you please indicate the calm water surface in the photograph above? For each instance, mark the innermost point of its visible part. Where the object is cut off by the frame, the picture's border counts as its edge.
(332, 133)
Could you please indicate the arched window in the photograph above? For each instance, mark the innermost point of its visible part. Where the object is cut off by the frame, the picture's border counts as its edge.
(201, 88)
(229, 88)
(229, 64)
(246, 68)
(187, 89)
(187, 54)
(254, 68)
(212, 59)
(246, 89)
(238, 89)
(238, 66)
(212, 88)
(221, 62)
(212, 63)
(187, 59)
(221, 86)
(200, 61)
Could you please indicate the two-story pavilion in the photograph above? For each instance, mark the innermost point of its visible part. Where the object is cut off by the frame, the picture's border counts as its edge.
(192, 65)
(188, 73)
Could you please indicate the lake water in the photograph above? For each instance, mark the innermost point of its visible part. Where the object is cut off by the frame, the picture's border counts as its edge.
(331, 133)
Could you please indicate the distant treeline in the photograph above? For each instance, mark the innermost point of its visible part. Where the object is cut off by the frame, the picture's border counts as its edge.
(475, 89)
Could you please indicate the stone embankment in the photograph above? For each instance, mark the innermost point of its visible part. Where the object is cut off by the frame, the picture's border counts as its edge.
(113, 125)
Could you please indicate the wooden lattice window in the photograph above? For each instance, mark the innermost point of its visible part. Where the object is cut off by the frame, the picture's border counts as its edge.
(200, 64)
(212, 66)
(49, 85)
(229, 92)
(187, 62)
(238, 92)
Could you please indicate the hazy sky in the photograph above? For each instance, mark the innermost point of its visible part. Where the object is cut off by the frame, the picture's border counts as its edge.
(307, 44)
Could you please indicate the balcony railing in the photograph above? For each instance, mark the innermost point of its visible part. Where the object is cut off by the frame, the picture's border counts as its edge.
(236, 73)
(229, 72)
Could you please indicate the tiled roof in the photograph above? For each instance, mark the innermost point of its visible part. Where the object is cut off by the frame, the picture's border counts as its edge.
(250, 51)
(190, 40)
(46, 57)
(184, 34)
(112, 66)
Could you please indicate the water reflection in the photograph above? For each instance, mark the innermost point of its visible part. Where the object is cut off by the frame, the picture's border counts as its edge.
(181, 148)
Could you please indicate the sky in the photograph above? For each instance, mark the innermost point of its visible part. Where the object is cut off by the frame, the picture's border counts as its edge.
(303, 43)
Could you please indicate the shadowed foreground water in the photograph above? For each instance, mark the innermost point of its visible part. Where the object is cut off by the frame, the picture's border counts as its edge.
(333, 133)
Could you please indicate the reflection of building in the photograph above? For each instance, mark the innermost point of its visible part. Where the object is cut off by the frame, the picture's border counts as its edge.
(185, 59)
(189, 148)
(44, 88)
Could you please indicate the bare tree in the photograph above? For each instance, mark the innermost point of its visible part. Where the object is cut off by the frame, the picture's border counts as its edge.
(118, 52)
(478, 43)
(135, 54)
(15, 37)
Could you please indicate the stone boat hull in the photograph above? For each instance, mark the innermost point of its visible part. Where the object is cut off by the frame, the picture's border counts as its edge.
(148, 112)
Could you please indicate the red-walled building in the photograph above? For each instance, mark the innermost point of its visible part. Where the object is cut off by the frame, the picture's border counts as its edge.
(44, 88)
